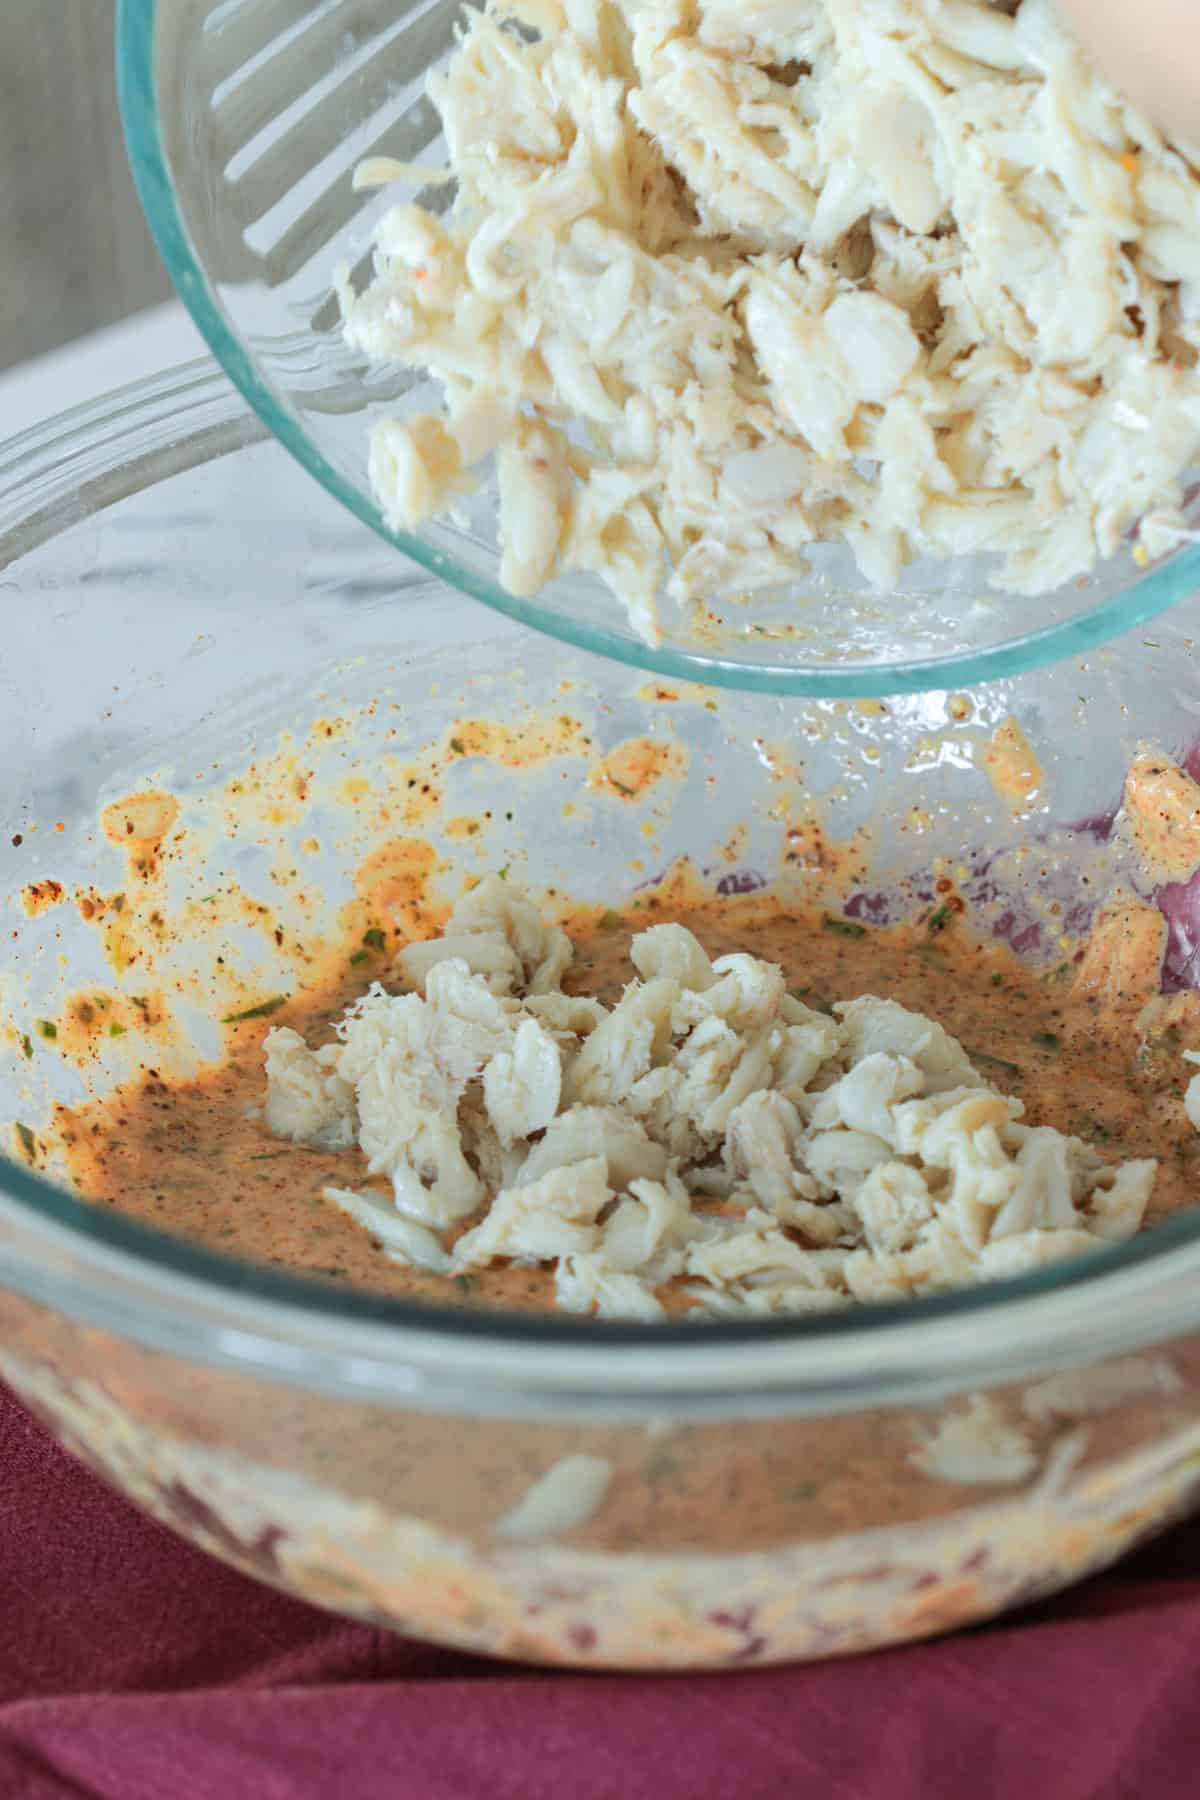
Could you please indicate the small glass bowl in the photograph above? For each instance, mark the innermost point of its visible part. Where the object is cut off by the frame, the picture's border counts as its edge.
(244, 120)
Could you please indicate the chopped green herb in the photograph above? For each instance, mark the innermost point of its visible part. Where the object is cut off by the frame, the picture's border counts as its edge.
(465, 1283)
(1047, 1039)
(116, 1030)
(360, 956)
(843, 927)
(27, 1045)
(263, 1010)
(375, 939)
(266, 1155)
(938, 921)
(118, 903)
(458, 747)
(997, 978)
(142, 1004)
(994, 1062)
(610, 920)
(28, 1141)
(46, 1028)
(503, 873)
(801, 1491)
(1061, 972)
(206, 900)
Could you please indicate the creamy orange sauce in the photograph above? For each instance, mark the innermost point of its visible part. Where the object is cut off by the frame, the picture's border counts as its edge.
(139, 824)
(1012, 766)
(632, 768)
(190, 1157)
(1162, 812)
(39, 896)
(517, 746)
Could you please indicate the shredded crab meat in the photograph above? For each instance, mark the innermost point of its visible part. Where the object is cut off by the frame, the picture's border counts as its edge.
(707, 1143)
(723, 281)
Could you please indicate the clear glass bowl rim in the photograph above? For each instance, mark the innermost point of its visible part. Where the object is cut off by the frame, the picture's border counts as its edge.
(1146, 597)
(185, 1300)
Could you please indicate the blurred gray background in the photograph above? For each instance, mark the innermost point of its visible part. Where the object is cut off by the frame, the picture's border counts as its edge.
(75, 252)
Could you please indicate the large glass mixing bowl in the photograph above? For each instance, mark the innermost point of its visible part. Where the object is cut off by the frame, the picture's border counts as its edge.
(178, 597)
(244, 120)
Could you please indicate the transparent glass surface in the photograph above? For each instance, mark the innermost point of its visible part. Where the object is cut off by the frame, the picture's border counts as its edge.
(244, 119)
(178, 595)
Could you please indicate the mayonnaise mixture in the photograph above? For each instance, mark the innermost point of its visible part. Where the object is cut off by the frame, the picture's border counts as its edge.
(644, 1118)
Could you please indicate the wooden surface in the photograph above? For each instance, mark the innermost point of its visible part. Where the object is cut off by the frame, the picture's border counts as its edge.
(74, 251)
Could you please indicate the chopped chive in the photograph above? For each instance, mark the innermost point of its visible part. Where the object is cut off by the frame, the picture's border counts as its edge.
(27, 1045)
(465, 1282)
(458, 747)
(28, 1141)
(997, 979)
(263, 1010)
(360, 956)
(843, 927)
(206, 900)
(1047, 1039)
(118, 903)
(116, 1030)
(610, 920)
(994, 1062)
(937, 921)
(503, 873)
(1061, 972)
(46, 1028)
(375, 939)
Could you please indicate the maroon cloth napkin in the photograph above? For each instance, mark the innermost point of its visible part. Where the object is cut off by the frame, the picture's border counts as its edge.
(134, 1668)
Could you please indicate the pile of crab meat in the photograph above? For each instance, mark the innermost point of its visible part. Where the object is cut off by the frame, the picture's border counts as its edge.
(725, 279)
(708, 1138)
